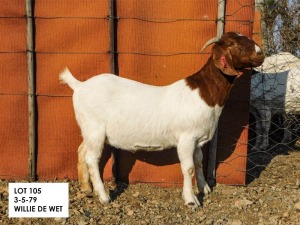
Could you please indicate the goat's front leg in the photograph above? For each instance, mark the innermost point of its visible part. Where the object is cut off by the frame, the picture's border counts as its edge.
(201, 183)
(185, 151)
(259, 133)
(266, 117)
(287, 128)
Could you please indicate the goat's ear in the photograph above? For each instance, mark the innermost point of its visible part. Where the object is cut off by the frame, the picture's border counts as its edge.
(223, 60)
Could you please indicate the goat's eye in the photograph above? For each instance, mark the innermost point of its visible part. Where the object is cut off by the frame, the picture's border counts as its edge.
(232, 44)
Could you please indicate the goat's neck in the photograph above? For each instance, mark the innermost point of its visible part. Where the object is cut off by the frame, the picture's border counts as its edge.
(213, 85)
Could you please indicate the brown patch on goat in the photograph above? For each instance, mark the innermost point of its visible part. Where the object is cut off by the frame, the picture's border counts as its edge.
(232, 54)
(213, 86)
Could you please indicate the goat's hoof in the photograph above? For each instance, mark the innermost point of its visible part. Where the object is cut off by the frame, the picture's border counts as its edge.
(193, 203)
(87, 188)
(104, 200)
(88, 194)
(256, 148)
(259, 147)
(206, 190)
(286, 140)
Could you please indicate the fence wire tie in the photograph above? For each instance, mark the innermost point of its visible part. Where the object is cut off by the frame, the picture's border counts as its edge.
(113, 17)
(222, 19)
(112, 52)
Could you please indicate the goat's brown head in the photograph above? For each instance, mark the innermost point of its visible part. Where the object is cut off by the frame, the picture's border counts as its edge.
(234, 52)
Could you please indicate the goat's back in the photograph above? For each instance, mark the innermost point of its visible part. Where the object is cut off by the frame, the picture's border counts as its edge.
(279, 63)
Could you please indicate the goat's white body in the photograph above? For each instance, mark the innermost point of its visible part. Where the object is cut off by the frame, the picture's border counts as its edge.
(137, 116)
(133, 116)
(275, 90)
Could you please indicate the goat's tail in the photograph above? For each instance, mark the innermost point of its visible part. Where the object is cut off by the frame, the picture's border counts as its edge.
(66, 77)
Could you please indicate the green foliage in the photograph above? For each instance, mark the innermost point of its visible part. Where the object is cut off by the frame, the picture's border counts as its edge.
(282, 26)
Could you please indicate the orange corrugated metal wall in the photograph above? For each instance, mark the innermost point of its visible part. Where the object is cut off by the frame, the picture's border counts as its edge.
(73, 34)
(13, 89)
(153, 39)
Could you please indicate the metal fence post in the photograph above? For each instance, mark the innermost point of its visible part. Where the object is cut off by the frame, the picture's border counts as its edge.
(259, 6)
(31, 90)
(113, 67)
(212, 153)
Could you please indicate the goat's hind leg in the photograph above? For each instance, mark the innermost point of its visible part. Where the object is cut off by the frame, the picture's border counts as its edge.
(83, 172)
(201, 183)
(93, 154)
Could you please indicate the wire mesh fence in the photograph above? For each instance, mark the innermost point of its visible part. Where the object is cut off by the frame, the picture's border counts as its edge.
(275, 87)
(156, 43)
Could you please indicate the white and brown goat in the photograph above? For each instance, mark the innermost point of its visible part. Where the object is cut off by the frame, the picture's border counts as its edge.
(133, 116)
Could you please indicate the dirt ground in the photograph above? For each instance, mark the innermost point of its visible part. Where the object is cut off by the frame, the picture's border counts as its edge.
(272, 198)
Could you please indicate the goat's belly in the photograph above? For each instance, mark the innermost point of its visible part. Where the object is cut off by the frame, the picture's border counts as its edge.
(135, 144)
(131, 146)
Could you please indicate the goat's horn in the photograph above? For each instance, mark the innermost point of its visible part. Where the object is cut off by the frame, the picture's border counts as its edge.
(211, 41)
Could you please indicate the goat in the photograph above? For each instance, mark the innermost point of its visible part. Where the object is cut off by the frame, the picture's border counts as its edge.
(133, 116)
(275, 89)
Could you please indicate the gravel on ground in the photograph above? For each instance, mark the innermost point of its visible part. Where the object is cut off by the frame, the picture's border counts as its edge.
(272, 198)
